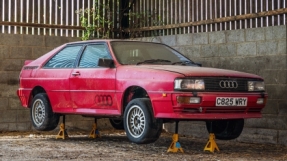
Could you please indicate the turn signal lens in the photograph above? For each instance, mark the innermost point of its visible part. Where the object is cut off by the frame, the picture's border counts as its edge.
(188, 100)
(260, 101)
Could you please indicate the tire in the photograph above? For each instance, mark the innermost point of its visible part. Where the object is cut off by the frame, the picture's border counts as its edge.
(140, 125)
(117, 124)
(42, 116)
(225, 129)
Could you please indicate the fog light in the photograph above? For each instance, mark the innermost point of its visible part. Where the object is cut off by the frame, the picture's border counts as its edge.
(188, 100)
(260, 101)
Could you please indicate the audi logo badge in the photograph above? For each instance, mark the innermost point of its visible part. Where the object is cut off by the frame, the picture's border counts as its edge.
(104, 100)
(228, 84)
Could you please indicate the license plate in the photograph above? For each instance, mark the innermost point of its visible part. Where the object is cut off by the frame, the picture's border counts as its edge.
(231, 101)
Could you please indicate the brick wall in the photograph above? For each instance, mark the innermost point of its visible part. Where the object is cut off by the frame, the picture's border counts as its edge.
(260, 51)
(14, 50)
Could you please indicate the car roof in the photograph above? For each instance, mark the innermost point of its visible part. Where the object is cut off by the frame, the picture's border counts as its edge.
(101, 40)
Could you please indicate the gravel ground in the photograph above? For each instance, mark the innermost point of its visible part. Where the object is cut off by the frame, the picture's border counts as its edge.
(113, 145)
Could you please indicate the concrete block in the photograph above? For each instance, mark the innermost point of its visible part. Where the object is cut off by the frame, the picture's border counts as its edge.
(257, 135)
(209, 51)
(21, 52)
(199, 38)
(282, 47)
(25, 126)
(3, 104)
(55, 41)
(189, 128)
(4, 127)
(156, 39)
(11, 39)
(282, 139)
(275, 32)
(267, 122)
(8, 116)
(183, 40)
(11, 65)
(282, 108)
(270, 76)
(191, 51)
(235, 36)
(12, 126)
(4, 77)
(267, 47)
(271, 107)
(147, 39)
(23, 115)
(277, 62)
(169, 40)
(238, 65)
(8, 90)
(4, 52)
(33, 40)
(13, 78)
(74, 122)
(40, 51)
(246, 49)
(217, 37)
(276, 91)
(227, 50)
(258, 62)
(255, 34)
(282, 76)
(73, 39)
(14, 103)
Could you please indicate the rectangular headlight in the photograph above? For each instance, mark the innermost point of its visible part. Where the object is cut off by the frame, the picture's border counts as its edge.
(256, 86)
(192, 84)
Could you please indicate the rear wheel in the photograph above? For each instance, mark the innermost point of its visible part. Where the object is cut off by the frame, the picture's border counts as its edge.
(225, 129)
(140, 125)
(42, 116)
(117, 123)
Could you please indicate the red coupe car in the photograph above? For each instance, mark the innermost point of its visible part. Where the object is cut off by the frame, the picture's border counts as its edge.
(139, 86)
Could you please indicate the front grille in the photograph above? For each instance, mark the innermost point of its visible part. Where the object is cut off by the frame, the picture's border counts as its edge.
(212, 84)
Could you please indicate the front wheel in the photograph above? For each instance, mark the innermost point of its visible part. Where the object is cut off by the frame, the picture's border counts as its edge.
(140, 125)
(225, 129)
(42, 116)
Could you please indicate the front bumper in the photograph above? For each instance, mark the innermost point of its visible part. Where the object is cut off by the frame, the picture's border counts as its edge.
(168, 107)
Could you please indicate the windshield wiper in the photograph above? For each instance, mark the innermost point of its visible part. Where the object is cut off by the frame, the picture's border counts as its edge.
(153, 61)
(183, 63)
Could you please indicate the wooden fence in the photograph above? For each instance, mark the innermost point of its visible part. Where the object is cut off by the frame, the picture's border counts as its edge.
(137, 18)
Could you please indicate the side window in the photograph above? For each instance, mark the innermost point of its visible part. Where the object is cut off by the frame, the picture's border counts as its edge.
(92, 54)
(65, 58)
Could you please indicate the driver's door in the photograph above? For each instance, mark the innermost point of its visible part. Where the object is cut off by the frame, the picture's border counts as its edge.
(92, 87)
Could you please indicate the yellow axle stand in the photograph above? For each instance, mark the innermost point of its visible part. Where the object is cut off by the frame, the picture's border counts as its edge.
(175, 145)
(62, 133)
(211, 144)
(95, 132)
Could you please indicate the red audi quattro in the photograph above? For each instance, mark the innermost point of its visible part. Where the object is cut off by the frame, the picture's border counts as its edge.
(139, 86)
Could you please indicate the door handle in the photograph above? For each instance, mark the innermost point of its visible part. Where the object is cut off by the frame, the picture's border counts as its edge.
(76, 74)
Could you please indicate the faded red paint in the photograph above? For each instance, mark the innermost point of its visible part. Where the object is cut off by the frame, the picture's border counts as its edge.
(70, 94)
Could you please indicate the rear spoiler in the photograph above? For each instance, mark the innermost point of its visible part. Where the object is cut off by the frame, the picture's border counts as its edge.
(27, 62)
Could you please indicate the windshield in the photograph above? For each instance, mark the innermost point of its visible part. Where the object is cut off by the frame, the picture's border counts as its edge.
(135, 53)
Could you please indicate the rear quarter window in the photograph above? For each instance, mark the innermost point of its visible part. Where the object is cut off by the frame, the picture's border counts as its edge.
(65, 58)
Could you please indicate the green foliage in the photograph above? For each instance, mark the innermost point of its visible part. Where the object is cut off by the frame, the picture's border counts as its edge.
(96, 21)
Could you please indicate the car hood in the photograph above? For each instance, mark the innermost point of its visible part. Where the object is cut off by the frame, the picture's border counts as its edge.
(191, 71)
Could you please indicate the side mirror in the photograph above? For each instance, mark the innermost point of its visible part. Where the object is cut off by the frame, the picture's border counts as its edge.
(109, 63)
